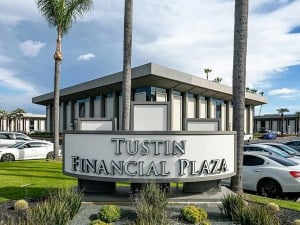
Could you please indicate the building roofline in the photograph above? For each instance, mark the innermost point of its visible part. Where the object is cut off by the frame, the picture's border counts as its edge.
(155, 74)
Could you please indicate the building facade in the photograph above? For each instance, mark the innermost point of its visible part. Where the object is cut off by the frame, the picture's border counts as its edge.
(289, 124)
(188, 96)
(28, 122)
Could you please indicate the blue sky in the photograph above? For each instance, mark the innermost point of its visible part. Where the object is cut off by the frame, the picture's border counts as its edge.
(185, 35)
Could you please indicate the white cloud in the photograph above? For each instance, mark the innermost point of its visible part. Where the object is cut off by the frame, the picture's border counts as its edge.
(31, 48)
(86, 57)
(283, 92)
(4, 59)
(13, 12)
(12, 81)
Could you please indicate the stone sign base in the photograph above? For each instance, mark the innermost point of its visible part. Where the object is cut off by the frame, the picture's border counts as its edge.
(92, 186)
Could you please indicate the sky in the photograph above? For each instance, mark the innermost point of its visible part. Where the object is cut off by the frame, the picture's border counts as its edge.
(186, 35)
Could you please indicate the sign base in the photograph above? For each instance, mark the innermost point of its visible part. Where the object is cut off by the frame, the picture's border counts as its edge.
(92, 186)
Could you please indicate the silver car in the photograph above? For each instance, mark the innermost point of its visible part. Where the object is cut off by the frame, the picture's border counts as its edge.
(270, 175)
(270, 150)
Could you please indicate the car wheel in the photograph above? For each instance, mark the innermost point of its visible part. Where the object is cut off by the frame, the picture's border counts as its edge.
(269, 188)
(50, 155)
(8, 157)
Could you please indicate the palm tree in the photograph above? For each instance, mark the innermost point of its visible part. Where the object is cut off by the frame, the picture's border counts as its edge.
(281, 111)
(238, 84)
(207, 71)
(19, 114)
(217, 80)
(3, 115)
(11, 116)
(61, 14)
(127, 48)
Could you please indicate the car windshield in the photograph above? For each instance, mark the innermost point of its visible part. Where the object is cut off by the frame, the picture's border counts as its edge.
(283, 161)
(17, 144)
(278, 152)
(288, 149)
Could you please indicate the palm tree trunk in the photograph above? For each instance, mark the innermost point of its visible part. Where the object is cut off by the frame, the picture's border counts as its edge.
(127, 48)
(57, 71)
(239, 77)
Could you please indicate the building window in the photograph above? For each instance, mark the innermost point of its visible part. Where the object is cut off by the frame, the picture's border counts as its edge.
(31, 124)
(150, 92)
(218, 107)
(81, 109)
(263, 125)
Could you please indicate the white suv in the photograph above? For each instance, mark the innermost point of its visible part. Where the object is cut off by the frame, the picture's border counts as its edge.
(10, 138)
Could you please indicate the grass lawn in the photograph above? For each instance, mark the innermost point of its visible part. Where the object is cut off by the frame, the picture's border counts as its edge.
(31, 178)
(281, 203)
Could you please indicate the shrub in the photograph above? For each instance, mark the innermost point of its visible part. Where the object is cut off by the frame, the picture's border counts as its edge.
(296, 222)
(151, 203)
(58, 208)
(109, 213)
(257, 215)
(98, 222)
(273, 207)
(194, 214)
(231, 205)
(21, 204)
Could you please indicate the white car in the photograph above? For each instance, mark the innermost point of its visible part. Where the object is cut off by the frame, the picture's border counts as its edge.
(270, 175)
(33, 149)
(10, 138)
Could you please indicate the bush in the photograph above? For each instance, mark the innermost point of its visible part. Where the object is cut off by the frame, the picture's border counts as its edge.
(21, 204)
(194, 214)
(273, 207)
(257, 215)
(60, 207)
(231, 205)
(98, 222)
(109, 213)
(151, 203)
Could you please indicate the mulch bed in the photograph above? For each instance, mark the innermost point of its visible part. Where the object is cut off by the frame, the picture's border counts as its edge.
(7, 211)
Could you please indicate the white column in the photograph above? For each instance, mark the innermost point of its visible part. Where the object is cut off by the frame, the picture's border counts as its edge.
(223, 117)
(109, 110)
(97, 113)
(202, 108)
(176, 113)
(87, 109)
(191, 108)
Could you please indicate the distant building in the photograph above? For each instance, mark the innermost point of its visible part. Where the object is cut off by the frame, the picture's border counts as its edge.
(274, 122)
(28, 122)
(188, 96)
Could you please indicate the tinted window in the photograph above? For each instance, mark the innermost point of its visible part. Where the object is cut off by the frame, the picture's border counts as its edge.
(17, 145)
(36, 144)
(251, 160)
(21, 137)
(297, 143)
(283, 161)
(287, 149)
(4, 136)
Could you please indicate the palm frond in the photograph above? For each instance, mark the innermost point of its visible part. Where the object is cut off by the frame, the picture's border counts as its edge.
(63, 13)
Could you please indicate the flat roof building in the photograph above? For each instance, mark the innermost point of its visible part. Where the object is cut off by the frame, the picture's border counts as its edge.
(189, 96)
(289, 123)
